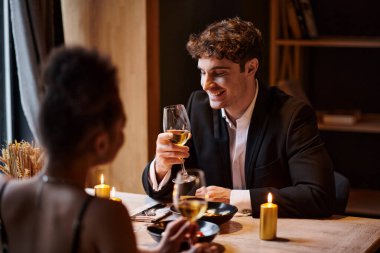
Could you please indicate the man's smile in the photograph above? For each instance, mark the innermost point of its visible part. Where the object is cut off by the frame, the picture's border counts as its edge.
(215, 94)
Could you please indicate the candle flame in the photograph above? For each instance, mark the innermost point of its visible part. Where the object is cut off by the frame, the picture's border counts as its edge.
(113, 192)
(101, 179)
(270, 198)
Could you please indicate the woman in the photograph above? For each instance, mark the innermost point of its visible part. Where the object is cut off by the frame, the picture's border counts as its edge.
(80, 122)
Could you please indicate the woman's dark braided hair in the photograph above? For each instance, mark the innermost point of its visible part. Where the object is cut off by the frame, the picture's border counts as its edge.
(81, 96)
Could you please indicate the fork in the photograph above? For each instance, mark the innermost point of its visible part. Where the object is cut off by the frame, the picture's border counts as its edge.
(150, 212)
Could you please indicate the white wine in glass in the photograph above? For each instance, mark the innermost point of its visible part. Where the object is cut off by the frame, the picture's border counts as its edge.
(180, 137)
(176, 121)
(190, 196)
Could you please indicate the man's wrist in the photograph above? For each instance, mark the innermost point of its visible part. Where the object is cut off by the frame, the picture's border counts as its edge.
(155, 183)
(242, 200)
(160, 173)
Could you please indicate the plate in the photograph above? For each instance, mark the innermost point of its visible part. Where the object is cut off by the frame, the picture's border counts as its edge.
(209, 230)
(217, 212)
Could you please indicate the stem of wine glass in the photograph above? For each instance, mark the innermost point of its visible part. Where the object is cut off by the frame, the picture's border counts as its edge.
(184, 172)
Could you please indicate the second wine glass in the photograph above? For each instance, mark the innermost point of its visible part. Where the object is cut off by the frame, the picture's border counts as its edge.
(190, 196)
(176, 121)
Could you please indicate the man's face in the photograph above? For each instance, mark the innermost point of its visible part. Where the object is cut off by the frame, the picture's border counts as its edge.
(225, 85)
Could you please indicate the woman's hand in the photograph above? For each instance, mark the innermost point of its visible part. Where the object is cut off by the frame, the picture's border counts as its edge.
(175, 233)
(179, 231)
(203, 248)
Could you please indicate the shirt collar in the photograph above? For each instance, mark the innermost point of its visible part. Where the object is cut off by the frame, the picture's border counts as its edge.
(248, 112)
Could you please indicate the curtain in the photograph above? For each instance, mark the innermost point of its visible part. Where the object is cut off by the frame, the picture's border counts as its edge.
(36, 28)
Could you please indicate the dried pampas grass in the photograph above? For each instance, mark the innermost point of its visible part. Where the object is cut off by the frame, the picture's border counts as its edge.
(21, 160)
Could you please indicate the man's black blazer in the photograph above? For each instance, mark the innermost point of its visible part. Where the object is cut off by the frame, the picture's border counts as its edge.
(285, 154)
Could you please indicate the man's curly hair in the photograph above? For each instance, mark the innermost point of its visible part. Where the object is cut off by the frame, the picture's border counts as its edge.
(234, 39)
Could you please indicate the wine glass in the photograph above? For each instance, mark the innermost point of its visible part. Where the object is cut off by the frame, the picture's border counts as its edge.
(176, 121)
(190, 195)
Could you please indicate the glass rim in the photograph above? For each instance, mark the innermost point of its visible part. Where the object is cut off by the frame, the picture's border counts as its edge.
(174, 106)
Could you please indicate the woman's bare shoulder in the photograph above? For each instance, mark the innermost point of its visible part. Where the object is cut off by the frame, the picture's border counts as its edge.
(3, 179)
(108, 222)
(104, 208)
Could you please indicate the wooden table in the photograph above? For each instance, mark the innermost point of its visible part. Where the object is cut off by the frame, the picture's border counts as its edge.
(241, 234)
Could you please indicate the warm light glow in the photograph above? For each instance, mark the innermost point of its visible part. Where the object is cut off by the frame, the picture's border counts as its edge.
(101, 179)
(270, 198)
(113, 192)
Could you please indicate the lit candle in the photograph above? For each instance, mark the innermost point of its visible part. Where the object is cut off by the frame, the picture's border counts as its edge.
(268, 220)
(113, 195)
(102, 190)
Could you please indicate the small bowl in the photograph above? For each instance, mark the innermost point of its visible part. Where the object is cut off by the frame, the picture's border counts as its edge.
(217, 212)
(209, 230)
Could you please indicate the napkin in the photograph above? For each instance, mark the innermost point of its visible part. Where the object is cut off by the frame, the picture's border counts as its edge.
(160, 211)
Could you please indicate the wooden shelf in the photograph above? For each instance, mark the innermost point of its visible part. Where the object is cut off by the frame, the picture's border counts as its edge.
(287, 61)
(369, 123)
(360, 42)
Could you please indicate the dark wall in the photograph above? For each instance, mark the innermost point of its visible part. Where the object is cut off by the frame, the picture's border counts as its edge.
(355, 155)
(348, 78)
(347, 17)
(179, 19)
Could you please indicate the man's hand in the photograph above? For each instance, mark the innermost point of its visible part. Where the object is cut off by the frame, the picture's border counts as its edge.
(168, 154)
(219, 194)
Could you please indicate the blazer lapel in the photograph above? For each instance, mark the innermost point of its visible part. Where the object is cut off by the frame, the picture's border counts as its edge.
(256, 132)
(222, 138)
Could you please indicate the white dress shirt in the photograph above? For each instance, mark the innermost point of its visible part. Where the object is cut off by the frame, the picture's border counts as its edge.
(239, 197)
(238, 133)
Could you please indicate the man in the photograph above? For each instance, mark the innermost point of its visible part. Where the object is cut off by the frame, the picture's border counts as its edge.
(248, 139)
